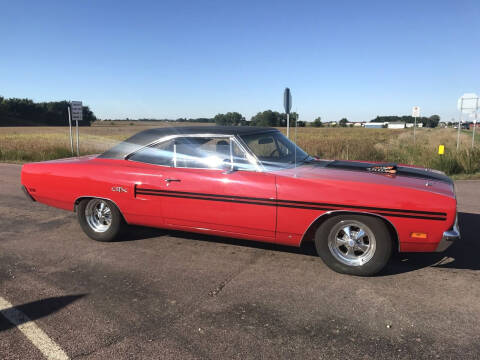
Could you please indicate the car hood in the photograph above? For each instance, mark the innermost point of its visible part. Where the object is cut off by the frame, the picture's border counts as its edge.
(377, 173)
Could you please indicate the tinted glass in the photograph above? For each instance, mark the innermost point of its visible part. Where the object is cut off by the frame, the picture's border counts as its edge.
(198, 153)
(160, 154)
(274, 150)
(202, 152)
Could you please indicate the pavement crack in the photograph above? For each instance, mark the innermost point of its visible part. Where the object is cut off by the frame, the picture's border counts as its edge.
(218, 289)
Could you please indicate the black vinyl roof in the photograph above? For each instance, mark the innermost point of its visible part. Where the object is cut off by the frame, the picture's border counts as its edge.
(145, 137)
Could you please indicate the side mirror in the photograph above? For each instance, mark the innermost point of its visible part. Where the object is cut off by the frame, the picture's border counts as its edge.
(228, 167)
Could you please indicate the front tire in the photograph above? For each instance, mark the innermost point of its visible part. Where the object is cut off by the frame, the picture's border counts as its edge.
(354, 244)
(100, 219)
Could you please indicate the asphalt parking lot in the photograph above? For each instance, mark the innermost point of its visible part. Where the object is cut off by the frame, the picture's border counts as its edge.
(172, 295)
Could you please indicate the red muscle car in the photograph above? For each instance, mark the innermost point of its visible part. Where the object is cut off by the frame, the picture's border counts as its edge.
(253, 183)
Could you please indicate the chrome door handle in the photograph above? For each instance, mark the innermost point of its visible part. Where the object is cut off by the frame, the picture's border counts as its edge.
(170, 180)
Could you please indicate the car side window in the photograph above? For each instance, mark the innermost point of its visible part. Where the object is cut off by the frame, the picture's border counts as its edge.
(264, 146)
(197, 153)
(201, 152)
(158, 154)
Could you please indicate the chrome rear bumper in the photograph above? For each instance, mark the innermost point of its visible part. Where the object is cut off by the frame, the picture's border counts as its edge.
(449, 237)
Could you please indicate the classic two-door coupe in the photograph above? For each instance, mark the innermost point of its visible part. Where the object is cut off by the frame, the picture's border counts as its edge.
(253, 183)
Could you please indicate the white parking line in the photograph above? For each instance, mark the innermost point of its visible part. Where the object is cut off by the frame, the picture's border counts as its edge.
(36, 335)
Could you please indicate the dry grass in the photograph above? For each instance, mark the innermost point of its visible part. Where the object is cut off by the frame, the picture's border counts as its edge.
(23, 144)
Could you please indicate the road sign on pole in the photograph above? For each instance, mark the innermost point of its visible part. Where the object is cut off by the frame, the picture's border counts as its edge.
(77, 115)
(77, 110)
(287, 104)
(415, 114)
(416, 111)
(467, 103)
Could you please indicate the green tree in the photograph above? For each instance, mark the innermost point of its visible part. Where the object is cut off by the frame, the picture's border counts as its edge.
(432, 121)
(273, 118)
(317, 122)
(25, 112)
(301, 123)
(230, 118)
(267, 118)
(343, 122)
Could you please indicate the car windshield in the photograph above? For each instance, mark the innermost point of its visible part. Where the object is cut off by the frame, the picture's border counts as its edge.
(275, 151)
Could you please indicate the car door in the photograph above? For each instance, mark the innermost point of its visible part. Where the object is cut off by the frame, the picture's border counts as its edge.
(204, 190)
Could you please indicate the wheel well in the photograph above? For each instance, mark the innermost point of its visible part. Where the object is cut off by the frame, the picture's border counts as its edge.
(310, 233)
(77, 201)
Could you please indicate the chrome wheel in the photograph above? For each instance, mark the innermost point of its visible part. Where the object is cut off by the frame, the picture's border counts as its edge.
(98, 215)
(352, 242)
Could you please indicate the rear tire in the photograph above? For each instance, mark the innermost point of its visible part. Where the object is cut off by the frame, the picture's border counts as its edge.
(354, 244)
(100, 219)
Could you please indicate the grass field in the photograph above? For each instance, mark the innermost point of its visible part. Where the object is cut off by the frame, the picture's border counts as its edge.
(25, 144)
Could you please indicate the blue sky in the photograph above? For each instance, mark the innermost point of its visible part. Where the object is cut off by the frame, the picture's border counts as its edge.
(170, 59)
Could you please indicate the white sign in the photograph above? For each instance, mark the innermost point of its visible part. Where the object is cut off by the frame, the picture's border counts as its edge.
(77, 110)
(468, 103)
(416, 111)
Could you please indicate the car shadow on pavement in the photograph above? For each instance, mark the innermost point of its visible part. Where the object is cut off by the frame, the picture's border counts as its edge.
(461, 255)
(141, 233)
(34, 310)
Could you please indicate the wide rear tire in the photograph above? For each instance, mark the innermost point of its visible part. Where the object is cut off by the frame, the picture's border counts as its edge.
(354, 244)
(100, 219)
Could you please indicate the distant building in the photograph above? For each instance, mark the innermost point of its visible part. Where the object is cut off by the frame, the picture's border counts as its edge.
(410, 125)
(376, 125)
(396, 125)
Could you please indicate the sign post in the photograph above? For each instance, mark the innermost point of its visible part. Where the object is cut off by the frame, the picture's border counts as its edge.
(77, 115)
(287, 104)
(474, 125)
(70, 125)
(415, 114)
(467, 103)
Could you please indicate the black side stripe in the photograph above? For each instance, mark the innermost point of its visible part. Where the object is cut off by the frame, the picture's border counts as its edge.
(281, 205)
(287, 203)
(141, 192)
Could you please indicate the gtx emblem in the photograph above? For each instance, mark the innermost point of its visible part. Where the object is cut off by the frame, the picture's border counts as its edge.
(119, 189)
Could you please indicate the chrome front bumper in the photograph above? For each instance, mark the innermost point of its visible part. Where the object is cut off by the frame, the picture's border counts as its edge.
(449, 237)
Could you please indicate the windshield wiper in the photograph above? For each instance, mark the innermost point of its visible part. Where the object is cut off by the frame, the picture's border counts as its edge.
(304, 160)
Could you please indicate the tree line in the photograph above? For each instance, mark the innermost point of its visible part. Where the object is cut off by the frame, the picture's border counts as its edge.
(263, 118)
(25, 112)
(430, 122)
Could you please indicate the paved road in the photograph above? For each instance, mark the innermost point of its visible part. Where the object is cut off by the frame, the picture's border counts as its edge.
(174, 295)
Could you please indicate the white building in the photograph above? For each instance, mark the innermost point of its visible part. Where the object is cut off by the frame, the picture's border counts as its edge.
(396, 125)
(376, 125)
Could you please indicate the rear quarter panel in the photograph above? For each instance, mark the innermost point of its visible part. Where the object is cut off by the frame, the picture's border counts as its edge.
(59, 183)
